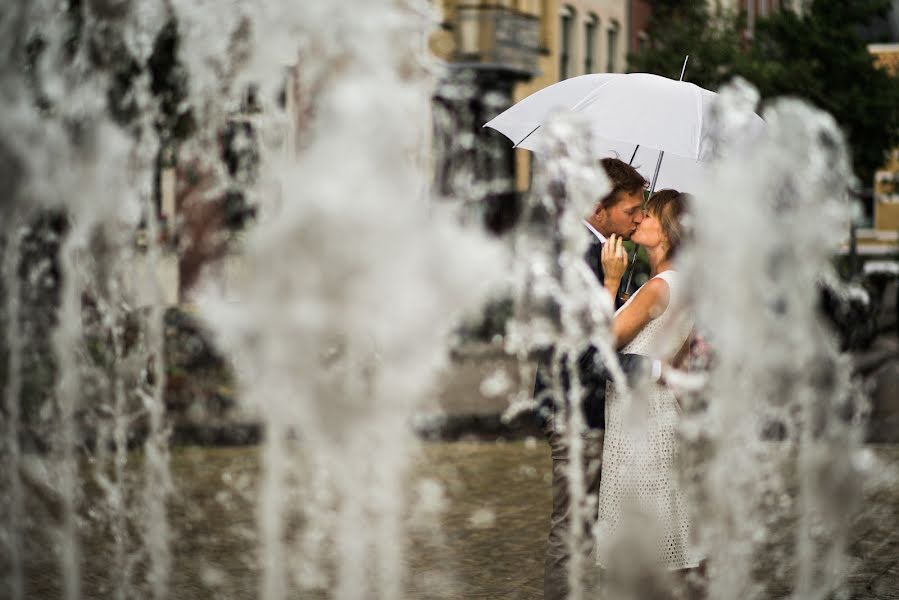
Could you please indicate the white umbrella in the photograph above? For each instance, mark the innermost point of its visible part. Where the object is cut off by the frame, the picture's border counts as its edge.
(521, 124)
(630, 112)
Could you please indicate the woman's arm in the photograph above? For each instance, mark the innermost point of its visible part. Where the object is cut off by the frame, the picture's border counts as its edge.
(649, 303)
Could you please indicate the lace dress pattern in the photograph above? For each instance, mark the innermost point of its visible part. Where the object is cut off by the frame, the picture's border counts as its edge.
(640, 450)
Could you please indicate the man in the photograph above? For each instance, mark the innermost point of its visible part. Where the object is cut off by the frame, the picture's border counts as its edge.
(619, 212)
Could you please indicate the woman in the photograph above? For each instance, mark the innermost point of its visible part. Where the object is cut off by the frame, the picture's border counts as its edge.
(641, 433)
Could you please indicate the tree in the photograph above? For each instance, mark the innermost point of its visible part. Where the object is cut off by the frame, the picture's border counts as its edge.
(677, 28)
(818, 55)
(821, 57)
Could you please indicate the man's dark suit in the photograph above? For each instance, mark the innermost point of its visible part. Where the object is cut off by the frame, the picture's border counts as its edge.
(593, 374)
(593, 378)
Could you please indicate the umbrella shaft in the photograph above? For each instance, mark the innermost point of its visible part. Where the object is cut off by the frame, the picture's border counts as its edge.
(631, 274)
(652, 189)
(655, 176)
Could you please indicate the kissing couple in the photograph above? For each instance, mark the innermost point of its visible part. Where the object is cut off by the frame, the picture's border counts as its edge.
(628, 456)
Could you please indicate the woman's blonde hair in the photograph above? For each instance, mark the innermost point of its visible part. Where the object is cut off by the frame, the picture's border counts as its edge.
(669, 207)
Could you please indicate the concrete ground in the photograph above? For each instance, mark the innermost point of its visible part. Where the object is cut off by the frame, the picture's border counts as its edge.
(485, 539)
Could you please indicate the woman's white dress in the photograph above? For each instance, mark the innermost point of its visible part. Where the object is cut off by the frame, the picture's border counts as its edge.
(640, 450)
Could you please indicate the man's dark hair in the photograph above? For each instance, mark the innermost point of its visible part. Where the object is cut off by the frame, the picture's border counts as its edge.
(623, 177)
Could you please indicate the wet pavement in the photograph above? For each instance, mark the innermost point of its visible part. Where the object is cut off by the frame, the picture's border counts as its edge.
(489, 544)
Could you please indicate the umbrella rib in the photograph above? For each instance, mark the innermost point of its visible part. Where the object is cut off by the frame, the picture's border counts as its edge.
(652, 189)
(634, 155)
(526, 137)
(590, 98)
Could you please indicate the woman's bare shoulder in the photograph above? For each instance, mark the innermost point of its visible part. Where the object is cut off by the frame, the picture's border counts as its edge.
(655, 293)
(656, 287)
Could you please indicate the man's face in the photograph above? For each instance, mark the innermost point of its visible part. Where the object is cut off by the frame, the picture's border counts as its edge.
(623, 216)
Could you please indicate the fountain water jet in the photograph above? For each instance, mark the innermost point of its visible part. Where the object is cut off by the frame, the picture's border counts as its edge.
(335, 347)
(559, 305)
(776, 439)
(76, 160)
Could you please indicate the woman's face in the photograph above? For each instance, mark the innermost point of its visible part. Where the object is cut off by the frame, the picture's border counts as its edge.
(649, 232)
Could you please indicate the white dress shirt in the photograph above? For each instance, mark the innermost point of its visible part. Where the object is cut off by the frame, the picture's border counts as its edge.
(599, 236)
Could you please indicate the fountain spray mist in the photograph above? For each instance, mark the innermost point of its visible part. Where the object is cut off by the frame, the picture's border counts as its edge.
(775, 442)
(353, 285)
(81, 172)
(559, 306)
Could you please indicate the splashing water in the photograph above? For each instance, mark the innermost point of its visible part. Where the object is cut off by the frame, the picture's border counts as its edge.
(355, 281)
(774, 442)
(354, 287)
(80, 183)
(559, 305)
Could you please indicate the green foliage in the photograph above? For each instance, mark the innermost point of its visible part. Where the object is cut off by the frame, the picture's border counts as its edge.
(679, 28)
(818, 55)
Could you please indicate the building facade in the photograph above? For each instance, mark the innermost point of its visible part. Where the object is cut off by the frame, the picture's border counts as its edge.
(497, 53)
(487, 49)
(886, 179)
(579, 37)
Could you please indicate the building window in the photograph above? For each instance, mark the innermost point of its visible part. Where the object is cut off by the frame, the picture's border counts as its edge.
(565, 40)
(590, 43)
(613, 47)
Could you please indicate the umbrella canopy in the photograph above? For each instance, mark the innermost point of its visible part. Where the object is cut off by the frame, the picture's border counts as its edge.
(674, 172)
(520, 121)
(626, 112)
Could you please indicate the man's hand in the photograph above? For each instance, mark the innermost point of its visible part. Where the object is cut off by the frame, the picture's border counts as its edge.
(614, 260)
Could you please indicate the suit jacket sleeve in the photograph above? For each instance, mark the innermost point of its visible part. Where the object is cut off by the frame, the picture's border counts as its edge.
(594, 372)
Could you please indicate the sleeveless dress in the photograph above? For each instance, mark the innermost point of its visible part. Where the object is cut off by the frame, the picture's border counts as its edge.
(640, 450)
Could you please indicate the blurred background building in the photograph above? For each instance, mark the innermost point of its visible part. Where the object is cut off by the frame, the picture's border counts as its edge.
(497, 53)
(582, 37)
(883, 236)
